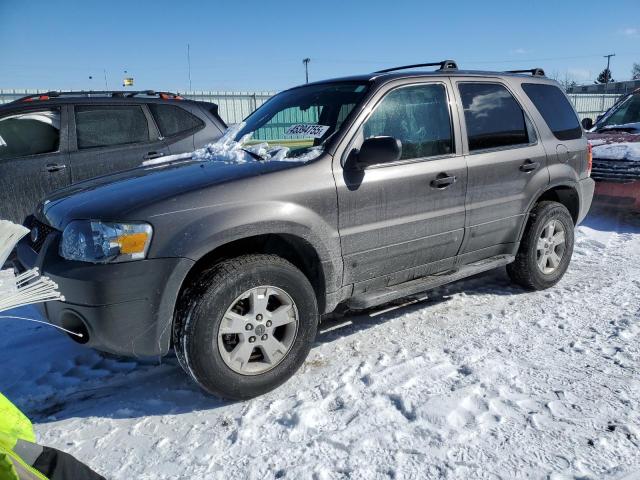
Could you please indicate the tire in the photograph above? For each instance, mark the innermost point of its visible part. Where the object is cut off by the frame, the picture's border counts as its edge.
(210, 356)
(526, 270)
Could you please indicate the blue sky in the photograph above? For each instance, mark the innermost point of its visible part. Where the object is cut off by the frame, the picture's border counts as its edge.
(259, 45)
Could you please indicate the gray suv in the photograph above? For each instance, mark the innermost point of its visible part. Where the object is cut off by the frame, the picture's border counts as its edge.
(51, 140)
(356, 192)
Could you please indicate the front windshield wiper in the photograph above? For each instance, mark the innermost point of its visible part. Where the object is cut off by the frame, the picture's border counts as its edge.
(617, 128)
(253, 154)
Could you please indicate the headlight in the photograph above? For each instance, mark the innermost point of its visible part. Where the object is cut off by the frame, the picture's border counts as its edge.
(102, 242)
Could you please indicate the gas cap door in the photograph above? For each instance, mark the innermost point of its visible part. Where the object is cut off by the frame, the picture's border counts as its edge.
(563, 153)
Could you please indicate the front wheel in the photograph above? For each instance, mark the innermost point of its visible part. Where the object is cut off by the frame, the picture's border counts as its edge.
(546, 247)
(247, 326)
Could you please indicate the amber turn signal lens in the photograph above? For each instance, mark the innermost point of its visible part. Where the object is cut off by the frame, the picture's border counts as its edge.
(133, 243)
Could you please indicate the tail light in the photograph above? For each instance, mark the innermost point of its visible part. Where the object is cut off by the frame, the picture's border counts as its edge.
(589, 159)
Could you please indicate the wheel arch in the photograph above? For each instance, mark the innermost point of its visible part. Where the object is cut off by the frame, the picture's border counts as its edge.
(565, 194)
(293, 248)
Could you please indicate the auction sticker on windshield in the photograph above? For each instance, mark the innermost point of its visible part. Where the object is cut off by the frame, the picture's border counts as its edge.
(310, 130)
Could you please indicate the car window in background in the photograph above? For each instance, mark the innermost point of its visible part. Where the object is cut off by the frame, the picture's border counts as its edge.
(101, 126)
(418, 116)
(555, 109)
(493, 117)
(173, 120)
(627, 112)
(29, 133)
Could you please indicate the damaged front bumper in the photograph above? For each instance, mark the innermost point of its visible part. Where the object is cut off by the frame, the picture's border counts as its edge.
(623, 195)
(121, 308)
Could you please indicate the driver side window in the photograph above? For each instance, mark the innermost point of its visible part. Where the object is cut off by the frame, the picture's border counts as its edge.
(418, 116)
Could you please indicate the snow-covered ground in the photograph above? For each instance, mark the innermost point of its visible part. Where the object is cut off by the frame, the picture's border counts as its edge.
(483, 380)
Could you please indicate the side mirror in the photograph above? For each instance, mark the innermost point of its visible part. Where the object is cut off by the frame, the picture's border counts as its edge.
(587, 123)
(377, 150)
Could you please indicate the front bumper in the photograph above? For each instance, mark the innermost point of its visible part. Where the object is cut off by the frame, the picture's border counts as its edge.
(126, 308)
(619, 195)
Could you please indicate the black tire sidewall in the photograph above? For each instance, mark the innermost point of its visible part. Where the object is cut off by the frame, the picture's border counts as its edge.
(550, 212)
(201, 348)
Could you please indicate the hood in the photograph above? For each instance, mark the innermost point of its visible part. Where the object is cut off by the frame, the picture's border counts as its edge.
(615, 145)
(122, 195)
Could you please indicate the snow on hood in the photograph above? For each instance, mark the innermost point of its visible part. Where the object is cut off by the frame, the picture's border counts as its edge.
(616, 151)
(226, 149)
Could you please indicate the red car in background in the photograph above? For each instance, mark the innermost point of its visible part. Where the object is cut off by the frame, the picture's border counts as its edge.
(615, 139)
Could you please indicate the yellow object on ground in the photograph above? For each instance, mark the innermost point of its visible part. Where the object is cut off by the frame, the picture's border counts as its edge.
(14, 426)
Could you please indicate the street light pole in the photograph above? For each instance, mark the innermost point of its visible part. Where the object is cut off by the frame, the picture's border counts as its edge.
(306, 68)
(607, 73)
(189, 63)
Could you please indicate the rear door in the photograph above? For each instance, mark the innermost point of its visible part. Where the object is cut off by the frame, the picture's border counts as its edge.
(177, 125)
(397, 221)
(507, 166)
(107, 138)
(33, 159)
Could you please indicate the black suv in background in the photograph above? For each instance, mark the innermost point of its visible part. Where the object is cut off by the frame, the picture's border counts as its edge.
(50, 140)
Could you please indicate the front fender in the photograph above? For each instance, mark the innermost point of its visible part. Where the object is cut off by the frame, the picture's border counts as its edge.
(221, 224)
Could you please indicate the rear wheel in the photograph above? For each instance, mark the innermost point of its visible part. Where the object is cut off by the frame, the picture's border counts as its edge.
(247, 326)
(546, 247)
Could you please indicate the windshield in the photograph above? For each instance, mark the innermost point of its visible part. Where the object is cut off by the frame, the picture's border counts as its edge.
(626, 113)
(299, 121)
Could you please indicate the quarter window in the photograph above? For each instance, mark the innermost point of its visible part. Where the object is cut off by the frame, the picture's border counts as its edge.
(110, 125)
(29, 133)
(418, 116)
(555, 109)
(493, 117)
(173, 120)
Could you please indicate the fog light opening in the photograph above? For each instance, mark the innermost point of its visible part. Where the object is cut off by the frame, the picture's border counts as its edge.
(73, 322)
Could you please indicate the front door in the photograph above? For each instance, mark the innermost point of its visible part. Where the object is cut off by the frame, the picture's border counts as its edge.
(33, 159)
(404, 219)
(507, 167)
(111, 138)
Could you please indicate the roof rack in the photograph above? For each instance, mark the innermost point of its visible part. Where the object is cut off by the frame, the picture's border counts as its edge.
(444, 65)
(100, 93)
(536, 72)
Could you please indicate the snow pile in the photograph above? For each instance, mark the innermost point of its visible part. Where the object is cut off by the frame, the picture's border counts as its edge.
(227, 149)
(482, 381)
(616, 151)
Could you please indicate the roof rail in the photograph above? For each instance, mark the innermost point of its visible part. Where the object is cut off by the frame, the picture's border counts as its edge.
(99, 93)
(536, 72)
(444, 65)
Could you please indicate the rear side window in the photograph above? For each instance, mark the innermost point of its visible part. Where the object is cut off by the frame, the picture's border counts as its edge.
(110, 125)
(173, 120)
(555, 109)
(418, 116)
(29, 133)
(493, 117)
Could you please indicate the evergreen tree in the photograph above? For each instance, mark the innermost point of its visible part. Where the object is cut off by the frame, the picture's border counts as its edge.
(635, 71)
(605, 76)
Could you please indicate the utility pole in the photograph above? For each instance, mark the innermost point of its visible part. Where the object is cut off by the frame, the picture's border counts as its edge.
(104, 70)
(306, 67)
(607, 73)
(189, 64)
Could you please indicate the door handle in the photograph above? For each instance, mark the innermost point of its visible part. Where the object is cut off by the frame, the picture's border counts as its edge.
(443, 181)
(54, 167)
(152, 155)
(529, 166)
